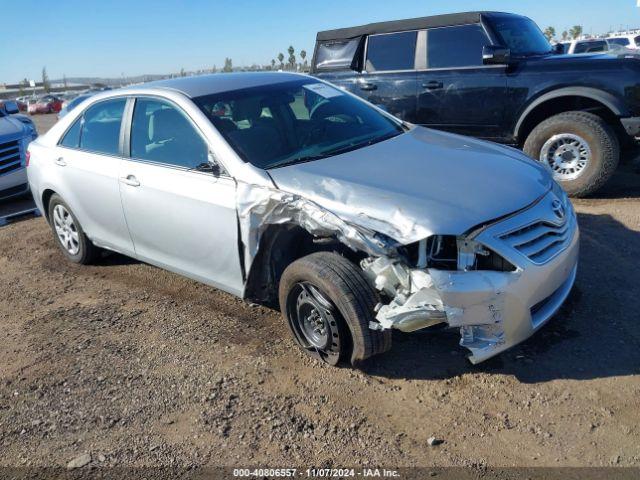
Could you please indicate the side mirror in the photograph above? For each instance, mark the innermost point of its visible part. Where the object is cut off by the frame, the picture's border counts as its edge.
(495, 55)
(213, 165)
(210, 166)
(11, 107)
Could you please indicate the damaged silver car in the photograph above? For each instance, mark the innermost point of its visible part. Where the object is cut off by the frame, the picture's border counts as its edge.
(283, 189)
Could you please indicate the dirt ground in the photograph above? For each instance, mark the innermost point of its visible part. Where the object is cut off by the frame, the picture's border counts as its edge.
(138, 366)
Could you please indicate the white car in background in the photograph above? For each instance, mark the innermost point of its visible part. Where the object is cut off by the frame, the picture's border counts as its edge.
(630, 41)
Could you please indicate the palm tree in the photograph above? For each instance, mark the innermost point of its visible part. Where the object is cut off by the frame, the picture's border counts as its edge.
(292, 58)
(281, 60)
(303, 56)
(549, 32)
(565, 35)
(575, 31)
(273, 64)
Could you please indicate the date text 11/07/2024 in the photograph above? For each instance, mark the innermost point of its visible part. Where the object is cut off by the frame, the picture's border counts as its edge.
(316, 472)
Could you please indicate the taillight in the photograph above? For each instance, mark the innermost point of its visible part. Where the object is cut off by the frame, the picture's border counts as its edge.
(27, 157)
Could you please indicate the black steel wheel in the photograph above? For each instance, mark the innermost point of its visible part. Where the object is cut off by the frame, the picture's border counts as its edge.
(329, 305)
(312, 317)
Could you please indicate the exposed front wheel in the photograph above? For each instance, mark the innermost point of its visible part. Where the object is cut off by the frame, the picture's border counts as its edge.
(69, 234)
(581, 150)
(328, 305)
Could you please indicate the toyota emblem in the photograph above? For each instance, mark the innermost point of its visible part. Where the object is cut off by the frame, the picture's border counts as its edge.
(558, 209)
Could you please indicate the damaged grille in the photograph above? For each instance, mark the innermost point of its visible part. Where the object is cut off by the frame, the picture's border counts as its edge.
(10, 158)
(540, 241)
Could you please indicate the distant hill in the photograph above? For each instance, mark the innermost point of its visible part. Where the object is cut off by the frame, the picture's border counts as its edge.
(111, 81)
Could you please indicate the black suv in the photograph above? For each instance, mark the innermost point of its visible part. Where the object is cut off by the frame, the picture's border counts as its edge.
(494, 76)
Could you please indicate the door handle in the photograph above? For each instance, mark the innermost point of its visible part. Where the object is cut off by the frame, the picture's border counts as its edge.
(368, 86)
(60, 161)
(130, 180)
(432, 85)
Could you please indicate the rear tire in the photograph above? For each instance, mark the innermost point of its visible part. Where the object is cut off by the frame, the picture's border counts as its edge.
(331, 294)
(68, 233)
(581, 149)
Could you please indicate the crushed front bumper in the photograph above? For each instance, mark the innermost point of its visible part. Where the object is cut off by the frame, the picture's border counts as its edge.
(494, 310)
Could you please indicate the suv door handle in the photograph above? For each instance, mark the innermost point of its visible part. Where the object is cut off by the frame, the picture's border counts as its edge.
(130, 180)
(368, 86)
(432, 85)
(60, 161)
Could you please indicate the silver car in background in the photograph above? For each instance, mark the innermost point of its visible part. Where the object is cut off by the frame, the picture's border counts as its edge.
(283, 189)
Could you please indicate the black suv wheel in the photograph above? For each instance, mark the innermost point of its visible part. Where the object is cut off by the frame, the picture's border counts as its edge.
(328, 304)
(579, 147)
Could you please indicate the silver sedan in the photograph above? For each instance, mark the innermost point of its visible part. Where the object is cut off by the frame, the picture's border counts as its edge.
(283, 189)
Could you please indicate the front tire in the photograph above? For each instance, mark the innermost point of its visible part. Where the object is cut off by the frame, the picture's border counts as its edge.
(579, 147)
(68, 233)
(328, 304)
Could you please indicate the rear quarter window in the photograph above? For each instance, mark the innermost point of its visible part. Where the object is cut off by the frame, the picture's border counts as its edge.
(336, 54)
(71, 139)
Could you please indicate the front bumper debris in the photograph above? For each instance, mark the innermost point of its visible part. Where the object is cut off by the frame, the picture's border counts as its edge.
(494, 310)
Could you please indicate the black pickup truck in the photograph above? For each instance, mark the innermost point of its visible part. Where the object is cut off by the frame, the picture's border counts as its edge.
(494, 76)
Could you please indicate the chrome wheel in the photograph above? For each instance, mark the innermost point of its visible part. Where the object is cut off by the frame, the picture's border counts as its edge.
(567, 155)
(313, 319)
(66, 229)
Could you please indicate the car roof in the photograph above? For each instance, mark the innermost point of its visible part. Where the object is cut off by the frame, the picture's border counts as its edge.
(200, 85)
(435, 21)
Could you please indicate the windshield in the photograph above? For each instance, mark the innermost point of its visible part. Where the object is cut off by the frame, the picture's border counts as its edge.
(285, 123)
(521, 35)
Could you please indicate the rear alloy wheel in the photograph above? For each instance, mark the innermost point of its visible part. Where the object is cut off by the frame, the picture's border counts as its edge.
(581, 150)
(69, 234)
(328, 305)
(66, 229)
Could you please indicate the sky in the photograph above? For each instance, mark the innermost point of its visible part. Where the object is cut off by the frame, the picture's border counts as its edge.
(112, 38)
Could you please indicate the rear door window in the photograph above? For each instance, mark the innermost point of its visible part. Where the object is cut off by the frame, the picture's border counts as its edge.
(391, 51)
(451, 47)
(101, 127)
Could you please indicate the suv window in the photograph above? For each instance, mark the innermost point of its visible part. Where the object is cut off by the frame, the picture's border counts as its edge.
(450, 47)
(161, 133)
(101, 127)
(619, 41)
(336, 54)
(391, 51)
(71, 139)
(587, 47)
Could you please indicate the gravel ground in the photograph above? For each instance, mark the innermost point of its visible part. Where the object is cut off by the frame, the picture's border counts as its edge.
(136, 366)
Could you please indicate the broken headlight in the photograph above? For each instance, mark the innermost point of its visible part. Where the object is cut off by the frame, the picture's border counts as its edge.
(449, 252)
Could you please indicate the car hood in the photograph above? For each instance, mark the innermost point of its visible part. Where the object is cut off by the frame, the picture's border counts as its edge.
(11, 128)
(419, 183)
